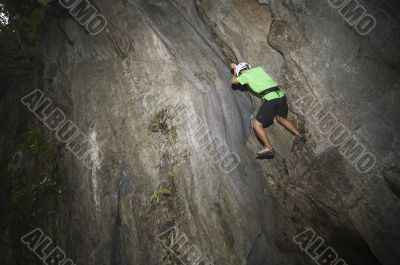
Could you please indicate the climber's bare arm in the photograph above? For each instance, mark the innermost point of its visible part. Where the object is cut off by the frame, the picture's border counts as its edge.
(234, 81)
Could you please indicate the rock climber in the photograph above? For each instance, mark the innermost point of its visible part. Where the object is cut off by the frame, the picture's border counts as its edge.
(57, 12)
(274, 103)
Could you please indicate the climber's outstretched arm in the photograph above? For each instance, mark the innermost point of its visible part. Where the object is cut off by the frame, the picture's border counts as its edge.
(234, 81)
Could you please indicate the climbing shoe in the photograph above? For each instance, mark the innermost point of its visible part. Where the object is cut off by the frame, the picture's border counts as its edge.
(266, 152)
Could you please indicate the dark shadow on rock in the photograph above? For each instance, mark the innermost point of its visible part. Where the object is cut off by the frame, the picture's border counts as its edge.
(118, 248)
(392, 178)
(265, 157)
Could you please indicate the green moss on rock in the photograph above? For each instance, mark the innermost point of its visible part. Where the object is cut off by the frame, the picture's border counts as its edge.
(34, 185)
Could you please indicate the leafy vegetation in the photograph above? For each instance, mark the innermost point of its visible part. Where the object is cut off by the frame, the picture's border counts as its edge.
(22, 27)
(33, 187)
(158, 123)
(155, 196)
(32, 141)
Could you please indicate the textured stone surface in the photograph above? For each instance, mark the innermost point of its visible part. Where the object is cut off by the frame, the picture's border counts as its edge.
(351, 76)
(120, 86)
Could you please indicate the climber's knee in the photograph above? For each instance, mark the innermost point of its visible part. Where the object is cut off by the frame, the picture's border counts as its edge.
(257, 124)
(280, 119)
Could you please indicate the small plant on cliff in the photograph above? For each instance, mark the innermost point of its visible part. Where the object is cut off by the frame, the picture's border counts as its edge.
(32, 141)
(162, 123)
(158, 123)
(155, 196)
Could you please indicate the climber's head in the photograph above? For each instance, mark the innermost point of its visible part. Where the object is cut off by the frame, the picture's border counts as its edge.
(242, 67)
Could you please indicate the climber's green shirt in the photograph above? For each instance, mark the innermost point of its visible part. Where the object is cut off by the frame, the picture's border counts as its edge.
(258, 80)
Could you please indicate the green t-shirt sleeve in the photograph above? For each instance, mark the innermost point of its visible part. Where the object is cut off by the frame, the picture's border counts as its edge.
(242, 79)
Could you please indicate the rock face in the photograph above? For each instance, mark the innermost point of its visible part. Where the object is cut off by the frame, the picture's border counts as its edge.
(152, 93)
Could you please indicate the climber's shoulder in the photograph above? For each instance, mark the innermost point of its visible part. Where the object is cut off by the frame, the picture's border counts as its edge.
(257, 69)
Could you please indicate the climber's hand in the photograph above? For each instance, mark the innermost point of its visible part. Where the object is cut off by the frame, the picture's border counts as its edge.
(233, 66)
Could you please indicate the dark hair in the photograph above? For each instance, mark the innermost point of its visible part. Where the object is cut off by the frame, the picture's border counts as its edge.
(247, 68)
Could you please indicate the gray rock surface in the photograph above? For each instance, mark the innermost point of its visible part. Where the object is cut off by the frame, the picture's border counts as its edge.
(124, 89)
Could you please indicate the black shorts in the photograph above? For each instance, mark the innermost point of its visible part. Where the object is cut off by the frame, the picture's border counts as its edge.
(270, 109)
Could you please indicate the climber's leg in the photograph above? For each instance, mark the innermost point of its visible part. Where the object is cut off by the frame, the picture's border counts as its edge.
(288, 125)
(281, 112)
(260, 131)
(264, 118)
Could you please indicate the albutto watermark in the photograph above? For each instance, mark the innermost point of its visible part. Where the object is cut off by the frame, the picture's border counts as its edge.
(338, 135)
(86, 15)
(312, 244)
(355, 15)
(177, 244)
(42, 246)
(82, 146)
(210, 144)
